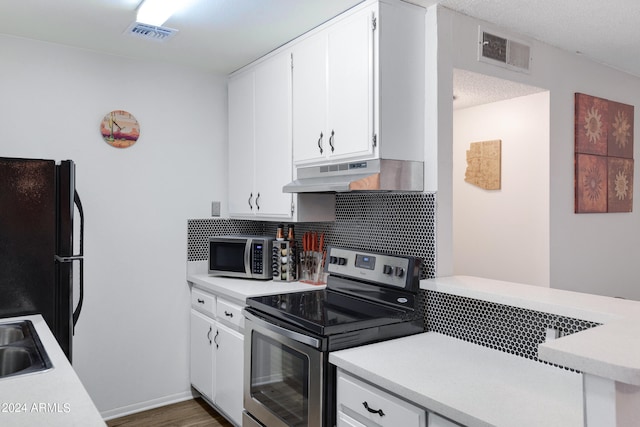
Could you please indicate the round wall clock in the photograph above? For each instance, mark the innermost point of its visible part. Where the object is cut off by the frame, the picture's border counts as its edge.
(120, 129)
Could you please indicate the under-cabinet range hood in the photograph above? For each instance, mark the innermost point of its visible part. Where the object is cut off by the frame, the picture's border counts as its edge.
(364, 175)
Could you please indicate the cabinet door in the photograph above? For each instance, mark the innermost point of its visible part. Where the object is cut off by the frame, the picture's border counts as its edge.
(310, 140)
(273, 168)
(229, 372)
(350, 86)
(202, 355)
(241, 154)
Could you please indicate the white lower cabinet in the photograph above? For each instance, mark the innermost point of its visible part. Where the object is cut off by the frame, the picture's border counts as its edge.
(202, 355)
(229, 370)
(360, 404)
(217, 353)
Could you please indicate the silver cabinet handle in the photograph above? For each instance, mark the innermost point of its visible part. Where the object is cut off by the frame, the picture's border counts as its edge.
(209, 335)
(215, 339)
(331, 140)
(320, 143)
(249, 201)
(257, 198)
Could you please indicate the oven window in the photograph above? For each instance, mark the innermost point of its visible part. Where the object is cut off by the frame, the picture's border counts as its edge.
(279, 379)
(227, 256)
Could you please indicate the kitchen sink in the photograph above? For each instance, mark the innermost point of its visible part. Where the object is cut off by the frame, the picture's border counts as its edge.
(21, 351)
(10, 334)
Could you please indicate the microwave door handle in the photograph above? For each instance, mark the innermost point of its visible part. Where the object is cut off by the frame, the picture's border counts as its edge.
(296, 336)
(247, 259)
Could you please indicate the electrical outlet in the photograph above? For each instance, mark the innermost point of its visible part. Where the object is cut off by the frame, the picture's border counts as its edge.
(215, 208)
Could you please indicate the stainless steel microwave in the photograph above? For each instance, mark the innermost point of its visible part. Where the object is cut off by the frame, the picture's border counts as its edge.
(248, 257)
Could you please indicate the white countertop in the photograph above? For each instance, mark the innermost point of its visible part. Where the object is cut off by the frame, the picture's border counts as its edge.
(240, 289)
(469, 383)
(51, 398)
(611, 351)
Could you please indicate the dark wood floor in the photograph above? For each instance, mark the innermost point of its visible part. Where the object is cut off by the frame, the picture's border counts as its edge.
(190, 413)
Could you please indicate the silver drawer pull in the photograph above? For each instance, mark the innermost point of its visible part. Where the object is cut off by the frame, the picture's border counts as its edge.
(200, 301)
(226, 313)
(373, 411)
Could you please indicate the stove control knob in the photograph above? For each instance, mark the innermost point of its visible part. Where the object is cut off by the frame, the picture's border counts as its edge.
(333, 260)
(387, 269)
(399, 271)
(342, 261)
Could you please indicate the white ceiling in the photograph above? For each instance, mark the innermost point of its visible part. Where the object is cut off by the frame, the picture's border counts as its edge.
(223, 35)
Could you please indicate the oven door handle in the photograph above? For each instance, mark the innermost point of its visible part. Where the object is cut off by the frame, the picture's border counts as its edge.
(296, 336)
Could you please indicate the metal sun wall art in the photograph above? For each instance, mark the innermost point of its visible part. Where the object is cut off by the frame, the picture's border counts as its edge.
(484, 164)
(603, 155)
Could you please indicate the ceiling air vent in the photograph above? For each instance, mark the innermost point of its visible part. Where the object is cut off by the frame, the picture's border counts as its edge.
(150, 32)
(506, 52)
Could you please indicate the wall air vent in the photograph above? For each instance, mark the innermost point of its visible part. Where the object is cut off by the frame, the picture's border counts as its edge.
(150, 32)
(503, 51)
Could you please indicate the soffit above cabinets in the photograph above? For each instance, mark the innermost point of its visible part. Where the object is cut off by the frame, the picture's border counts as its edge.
(471, 89)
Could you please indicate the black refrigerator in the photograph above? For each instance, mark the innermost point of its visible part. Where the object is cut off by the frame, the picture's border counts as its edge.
(37, 260)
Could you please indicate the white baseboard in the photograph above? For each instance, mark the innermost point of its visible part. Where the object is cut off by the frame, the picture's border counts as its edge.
(149, 404)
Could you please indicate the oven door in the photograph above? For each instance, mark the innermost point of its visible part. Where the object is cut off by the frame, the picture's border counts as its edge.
(283, 375)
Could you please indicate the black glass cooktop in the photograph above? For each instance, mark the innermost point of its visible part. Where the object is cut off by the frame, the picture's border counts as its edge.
(327, 312)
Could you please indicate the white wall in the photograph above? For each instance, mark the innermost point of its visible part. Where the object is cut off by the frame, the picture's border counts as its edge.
(504, 234)
(131, 343)
(594, 253)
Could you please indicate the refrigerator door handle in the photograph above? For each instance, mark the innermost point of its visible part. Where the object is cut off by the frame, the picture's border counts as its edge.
(68, 258)
(79, 257)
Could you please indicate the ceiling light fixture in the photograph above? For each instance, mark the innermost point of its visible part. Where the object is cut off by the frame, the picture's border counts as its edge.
(156, 12)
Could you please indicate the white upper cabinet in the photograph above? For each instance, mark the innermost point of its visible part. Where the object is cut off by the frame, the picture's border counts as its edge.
(241, 152)
(260, 139)
(350, 89)
(333, 91)
(310, 98)
(350, 86)
(273, 136)
(260, 146)
(358, 86)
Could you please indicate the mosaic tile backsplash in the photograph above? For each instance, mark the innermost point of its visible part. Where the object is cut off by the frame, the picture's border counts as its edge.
(400, 223)
(404, 224)
(510, 329)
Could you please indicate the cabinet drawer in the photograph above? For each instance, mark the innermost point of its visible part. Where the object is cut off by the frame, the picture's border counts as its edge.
(203, 302)
(230, 313)
(354, 396)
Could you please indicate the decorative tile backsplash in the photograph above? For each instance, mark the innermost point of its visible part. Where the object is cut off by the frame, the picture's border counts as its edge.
(400, 223)
(513, 330)
(404, 224)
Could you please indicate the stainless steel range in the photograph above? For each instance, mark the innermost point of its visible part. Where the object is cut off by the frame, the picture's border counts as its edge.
(288, 380)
